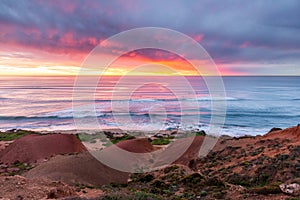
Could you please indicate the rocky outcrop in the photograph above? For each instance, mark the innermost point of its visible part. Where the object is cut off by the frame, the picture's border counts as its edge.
(291, 189)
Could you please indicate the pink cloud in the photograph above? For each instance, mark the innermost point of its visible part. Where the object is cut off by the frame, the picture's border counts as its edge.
(198, 37)
(245, 44)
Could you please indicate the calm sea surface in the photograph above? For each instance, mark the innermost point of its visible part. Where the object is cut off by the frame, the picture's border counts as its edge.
(254, 104)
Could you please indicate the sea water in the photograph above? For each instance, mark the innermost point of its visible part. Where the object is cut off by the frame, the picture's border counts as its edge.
(254, 105)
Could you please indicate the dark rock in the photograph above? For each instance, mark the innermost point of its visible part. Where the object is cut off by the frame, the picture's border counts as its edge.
(201, 133)
(275, 129)
(60, 192)
(19, 197)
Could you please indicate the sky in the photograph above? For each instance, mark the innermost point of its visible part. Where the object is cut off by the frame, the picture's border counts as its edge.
(242, 37)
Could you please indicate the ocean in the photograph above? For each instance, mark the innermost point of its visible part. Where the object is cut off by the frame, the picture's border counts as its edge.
(254, 105)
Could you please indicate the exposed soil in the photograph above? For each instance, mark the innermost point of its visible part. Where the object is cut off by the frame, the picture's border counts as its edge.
(140, 145)
(191, 154)
(80, 169)
(85, 169)
(17, 187)
(33, 148)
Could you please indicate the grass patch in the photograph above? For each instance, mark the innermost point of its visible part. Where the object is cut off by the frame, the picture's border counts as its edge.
(115, 140)
(85, 137)
(103, 137)
(14, 134)
(200, 133)
(161, 141)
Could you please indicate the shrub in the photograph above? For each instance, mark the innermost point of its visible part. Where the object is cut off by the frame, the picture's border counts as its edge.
(269, 189)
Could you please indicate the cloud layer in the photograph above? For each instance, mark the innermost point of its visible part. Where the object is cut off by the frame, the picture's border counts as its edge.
(249, 37)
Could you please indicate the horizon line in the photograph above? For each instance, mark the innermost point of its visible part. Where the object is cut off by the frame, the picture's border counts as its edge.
(151, 75)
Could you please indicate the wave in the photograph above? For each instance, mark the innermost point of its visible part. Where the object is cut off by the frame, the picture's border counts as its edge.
(140, 100)
(31, 117)
(90, 115)
(262, 114)
(219, 99)
(208, 98)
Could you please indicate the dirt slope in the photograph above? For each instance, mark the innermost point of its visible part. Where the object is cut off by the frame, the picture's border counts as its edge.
(33, 148)
(77, 169)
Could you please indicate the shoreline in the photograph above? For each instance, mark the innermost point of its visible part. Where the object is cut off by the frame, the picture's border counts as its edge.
(141, 132)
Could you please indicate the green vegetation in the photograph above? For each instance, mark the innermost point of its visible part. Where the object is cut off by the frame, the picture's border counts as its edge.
(19, 168)
(14, 134)
(80, 186)
(268, 189)
(173, 182)
(161, 141)
(238, 179)
(200, 133)
(146, 178)
(194, 133)
(170, 169)
(85, 137)
(139, 195)
(144, 195)
(115, 140)
(192, 179)
(103, 137)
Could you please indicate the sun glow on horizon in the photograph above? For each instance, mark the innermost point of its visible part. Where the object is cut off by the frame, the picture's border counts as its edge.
(60, 70)
(41, 63)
